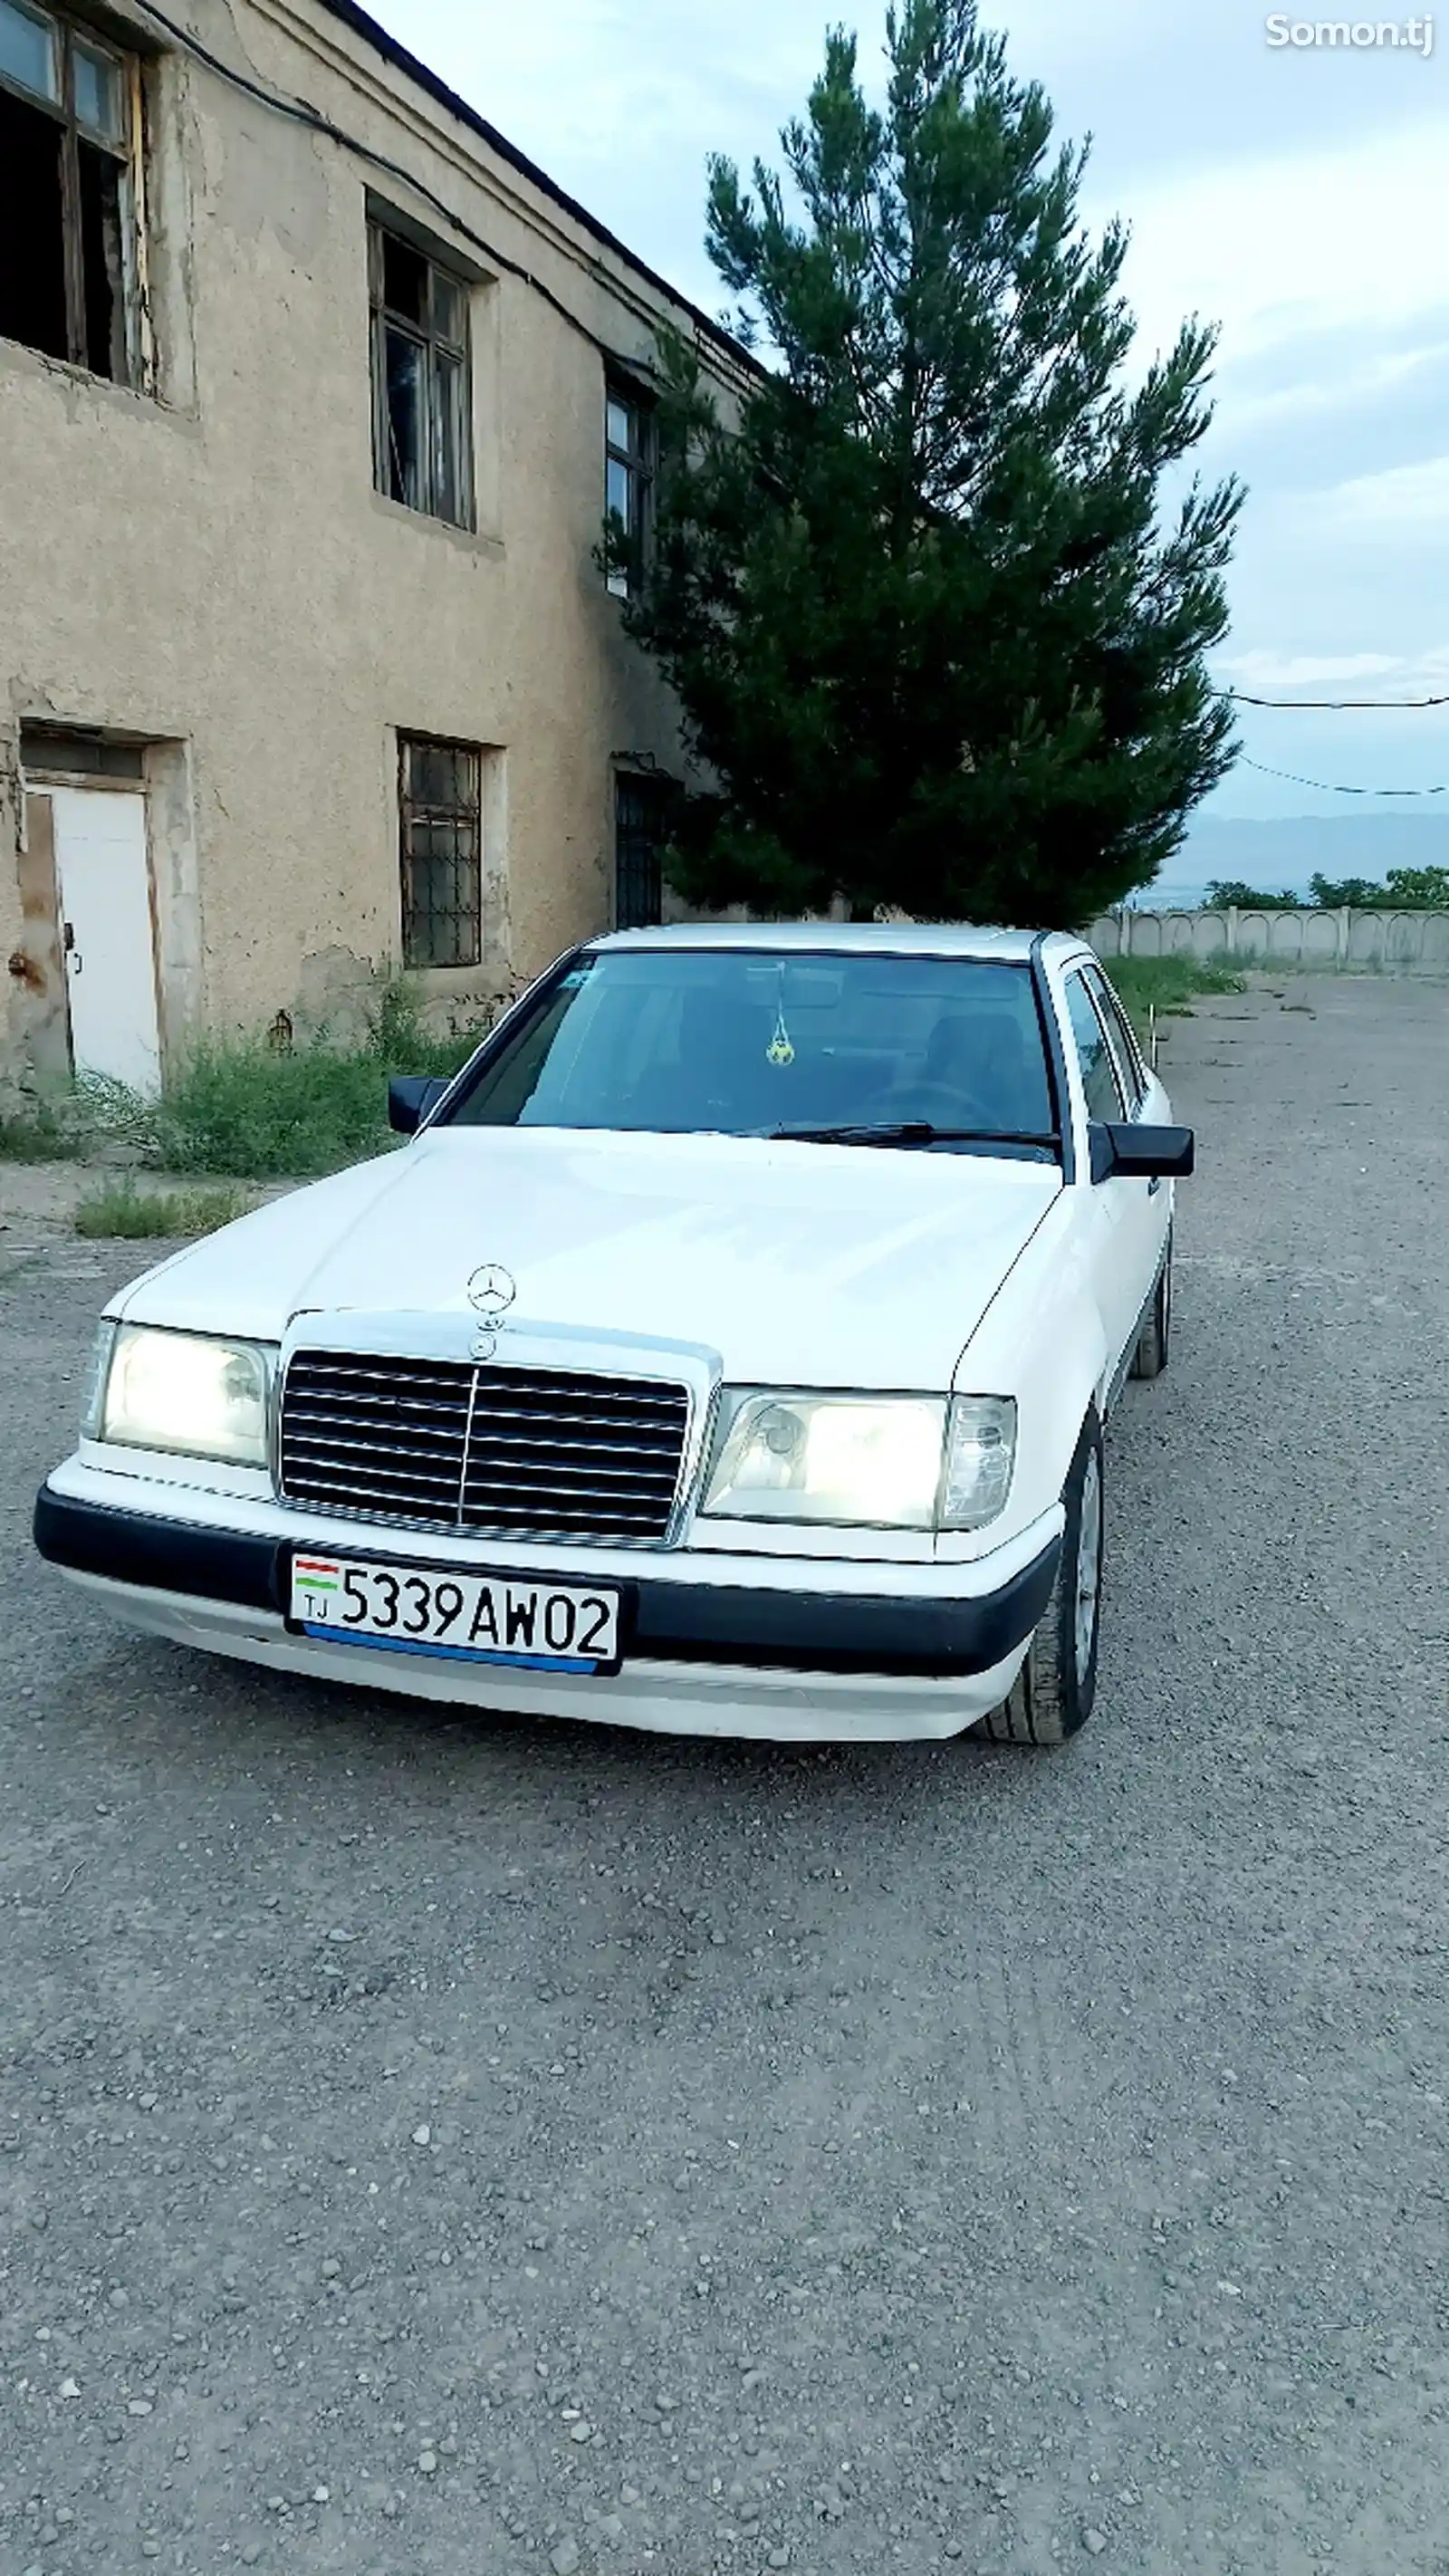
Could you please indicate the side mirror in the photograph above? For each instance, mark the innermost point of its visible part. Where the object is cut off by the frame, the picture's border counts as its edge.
(410, 1098)
(1123, 1151)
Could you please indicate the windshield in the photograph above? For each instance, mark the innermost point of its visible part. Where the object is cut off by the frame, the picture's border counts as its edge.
(742, 1042)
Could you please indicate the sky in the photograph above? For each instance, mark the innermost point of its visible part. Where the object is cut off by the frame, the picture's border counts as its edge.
(1298, 195)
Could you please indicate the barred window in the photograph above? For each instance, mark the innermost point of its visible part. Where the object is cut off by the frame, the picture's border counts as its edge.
(641, 811)
(440, 792)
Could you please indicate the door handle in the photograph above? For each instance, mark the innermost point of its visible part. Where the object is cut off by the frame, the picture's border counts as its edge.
(1154, 1185)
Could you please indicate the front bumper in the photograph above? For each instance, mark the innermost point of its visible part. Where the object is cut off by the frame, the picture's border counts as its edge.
(717, 1656)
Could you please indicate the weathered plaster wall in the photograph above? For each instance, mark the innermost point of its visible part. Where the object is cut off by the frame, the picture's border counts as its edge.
(213, 569)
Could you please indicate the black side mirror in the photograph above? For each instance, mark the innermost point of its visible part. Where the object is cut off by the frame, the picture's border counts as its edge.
(1126, 1152)
(410, 1098)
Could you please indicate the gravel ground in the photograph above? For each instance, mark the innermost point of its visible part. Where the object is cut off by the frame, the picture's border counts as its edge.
(431, 2147)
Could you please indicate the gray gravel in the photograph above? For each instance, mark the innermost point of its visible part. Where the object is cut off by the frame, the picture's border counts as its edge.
(470, 2147)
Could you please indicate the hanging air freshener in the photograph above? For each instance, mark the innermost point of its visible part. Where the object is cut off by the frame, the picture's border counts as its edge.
(781, 1048)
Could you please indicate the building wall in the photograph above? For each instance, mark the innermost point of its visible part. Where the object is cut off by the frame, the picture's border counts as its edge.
(213, 571)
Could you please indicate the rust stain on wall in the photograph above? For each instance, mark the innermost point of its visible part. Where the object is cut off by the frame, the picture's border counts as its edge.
(38, 965)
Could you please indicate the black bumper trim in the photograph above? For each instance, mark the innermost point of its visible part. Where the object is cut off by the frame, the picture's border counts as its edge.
(822, 1632)
(158, 1555)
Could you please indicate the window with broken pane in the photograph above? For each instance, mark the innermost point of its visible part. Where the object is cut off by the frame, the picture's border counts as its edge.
(422, 426)
(440, 802)
(68, 192)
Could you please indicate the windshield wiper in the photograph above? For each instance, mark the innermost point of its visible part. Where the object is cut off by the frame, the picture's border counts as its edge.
(906, 1131)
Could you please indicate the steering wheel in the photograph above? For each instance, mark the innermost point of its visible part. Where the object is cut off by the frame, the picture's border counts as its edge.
(941, 1104)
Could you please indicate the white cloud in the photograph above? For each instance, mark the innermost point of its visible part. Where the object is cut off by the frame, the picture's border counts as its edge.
(1408, 499)
(1359, 380)
(1305, 241)
(1264, 671)
(603, 83)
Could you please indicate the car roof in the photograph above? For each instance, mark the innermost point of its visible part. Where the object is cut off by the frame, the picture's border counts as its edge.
(849, 938)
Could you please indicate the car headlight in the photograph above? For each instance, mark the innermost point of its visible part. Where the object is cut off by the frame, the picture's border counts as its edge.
(862, 1461)
(980, 1455)
(182, 1391)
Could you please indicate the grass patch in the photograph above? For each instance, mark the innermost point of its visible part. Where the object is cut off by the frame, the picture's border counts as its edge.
(129, 1210)
(1167, 984)
(45, 1131)
(238, 1106)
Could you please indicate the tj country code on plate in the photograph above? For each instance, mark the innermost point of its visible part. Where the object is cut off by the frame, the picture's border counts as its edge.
(432, 1610)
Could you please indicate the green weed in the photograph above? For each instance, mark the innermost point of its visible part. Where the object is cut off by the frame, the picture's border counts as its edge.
(1167, 984)
(128, 1209)
(44, 1131)
(240, 1106)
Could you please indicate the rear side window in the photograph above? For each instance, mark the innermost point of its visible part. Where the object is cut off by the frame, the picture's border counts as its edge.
(1099, 1074)
(1119, 1033)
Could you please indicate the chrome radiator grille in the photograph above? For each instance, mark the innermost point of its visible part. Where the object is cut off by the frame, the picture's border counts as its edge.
(547, 1453)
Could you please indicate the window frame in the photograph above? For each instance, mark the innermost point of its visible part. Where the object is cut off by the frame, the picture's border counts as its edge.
(130, 352)
(1121, 1037)
(435, 343)
(1078, 978)
(636, 457)
(412, 810)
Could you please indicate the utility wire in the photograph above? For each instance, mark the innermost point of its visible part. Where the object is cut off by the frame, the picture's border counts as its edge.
(300, 113)
(1332, 705)
(1329, 787)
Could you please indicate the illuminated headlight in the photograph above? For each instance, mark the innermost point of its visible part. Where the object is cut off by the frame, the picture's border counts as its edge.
(865, 1462)
(182, 1391)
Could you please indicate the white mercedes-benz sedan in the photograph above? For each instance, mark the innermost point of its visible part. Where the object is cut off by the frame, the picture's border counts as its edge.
(728, 1352)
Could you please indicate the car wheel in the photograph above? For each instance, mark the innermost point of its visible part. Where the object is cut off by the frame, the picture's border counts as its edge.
(1053, 1693)
(1150, 1357)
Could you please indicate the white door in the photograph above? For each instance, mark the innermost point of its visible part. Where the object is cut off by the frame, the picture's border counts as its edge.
(104, 888)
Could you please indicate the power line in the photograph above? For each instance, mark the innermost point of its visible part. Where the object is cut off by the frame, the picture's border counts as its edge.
(1335, 706)
(299, 113)
(1330, 787)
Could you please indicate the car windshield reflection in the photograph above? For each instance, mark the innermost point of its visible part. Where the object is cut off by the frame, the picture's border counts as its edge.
(947, 1052)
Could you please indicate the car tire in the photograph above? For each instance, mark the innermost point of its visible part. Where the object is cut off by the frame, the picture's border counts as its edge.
(1051, 1698)
(1153, 1342)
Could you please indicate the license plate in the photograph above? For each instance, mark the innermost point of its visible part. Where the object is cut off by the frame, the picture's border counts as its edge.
(433, 1610)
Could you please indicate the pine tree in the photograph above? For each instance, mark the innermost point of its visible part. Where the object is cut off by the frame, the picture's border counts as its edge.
(936, 633)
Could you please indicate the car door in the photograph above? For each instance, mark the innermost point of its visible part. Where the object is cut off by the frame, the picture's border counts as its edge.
(1128, 1218)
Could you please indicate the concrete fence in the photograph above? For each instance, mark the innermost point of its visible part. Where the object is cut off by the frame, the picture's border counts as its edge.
(1351, 940)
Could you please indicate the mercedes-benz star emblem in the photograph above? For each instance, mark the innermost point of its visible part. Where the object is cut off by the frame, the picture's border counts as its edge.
(491, 1292)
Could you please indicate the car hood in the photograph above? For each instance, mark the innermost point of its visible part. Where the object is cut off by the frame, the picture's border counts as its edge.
(809, 1265)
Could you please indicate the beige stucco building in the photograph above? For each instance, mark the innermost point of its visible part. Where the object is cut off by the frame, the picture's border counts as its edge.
(311, 390)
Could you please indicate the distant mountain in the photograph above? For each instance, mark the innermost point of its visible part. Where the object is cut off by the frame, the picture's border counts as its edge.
(1288, 852)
